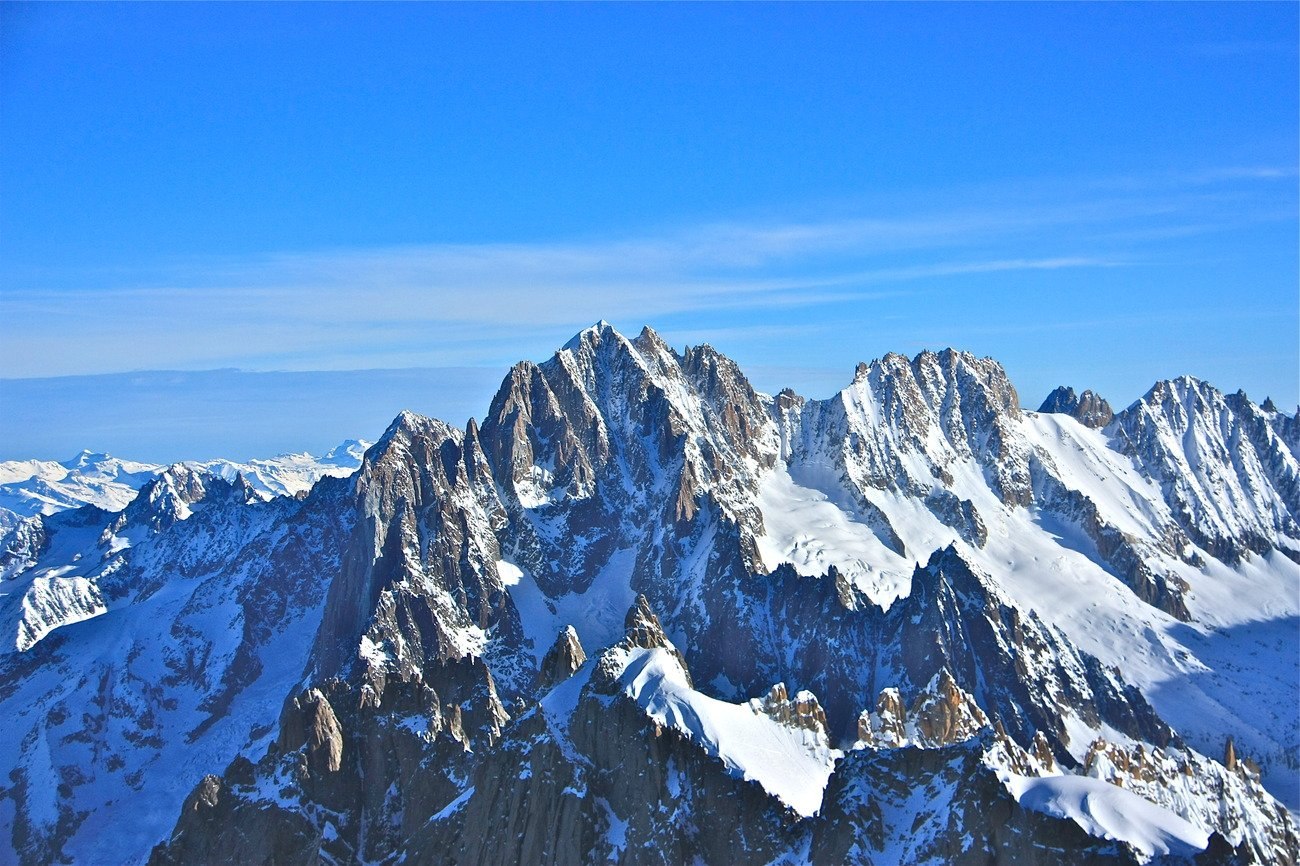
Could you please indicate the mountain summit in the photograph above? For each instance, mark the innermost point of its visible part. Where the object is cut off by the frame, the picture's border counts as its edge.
(644, 612)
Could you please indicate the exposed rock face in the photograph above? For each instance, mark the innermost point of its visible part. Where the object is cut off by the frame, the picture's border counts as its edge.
(599, 778)
(601, 781)
(310, 722)
(941, 805)
(24, 539)
(801, 711)
(400, 616)
(891, 409)
(419, 580)
(941, 715)
(1230, 479)
(1135, 561)
(946, 714)
(1225, 798)
(960, 514)
(955, 620)
(1087, 408)
(266, 835)
(1042, 752)
(564, 657)
(612, 434)
(1019, 668)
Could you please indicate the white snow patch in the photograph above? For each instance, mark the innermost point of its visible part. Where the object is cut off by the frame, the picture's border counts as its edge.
(1109, 812)
(597, 614)
(806, 528)
(791, 764)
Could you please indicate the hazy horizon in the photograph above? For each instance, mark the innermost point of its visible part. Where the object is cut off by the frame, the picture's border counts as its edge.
(164, 416)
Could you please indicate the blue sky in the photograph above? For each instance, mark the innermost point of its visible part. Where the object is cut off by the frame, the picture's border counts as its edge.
(1100, 195)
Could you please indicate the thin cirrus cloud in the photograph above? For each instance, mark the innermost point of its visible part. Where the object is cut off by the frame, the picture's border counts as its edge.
(398, 307)
(457, 304)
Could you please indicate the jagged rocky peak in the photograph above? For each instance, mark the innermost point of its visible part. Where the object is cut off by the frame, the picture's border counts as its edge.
(1227, 470)
(942, 382)
(178, 484)
(886, 727)
(308, 720)
(1226, 798)
(654, 349)
(945, 713)
(599, 356)
(947, 407)
(643, 632)
(593, 337)
(941, 714)
(957, 619)
(173, 495)
(549, 429)
(543, 434)
(1285, 427)
(802, 711)
(643, 627)
(611, 425)
(1088, 408)
(564, 658)
(419, 584)
(721, 384)
(422, 460)
(787, 399)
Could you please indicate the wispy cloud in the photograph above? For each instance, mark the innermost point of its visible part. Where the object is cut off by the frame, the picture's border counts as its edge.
(452, 304)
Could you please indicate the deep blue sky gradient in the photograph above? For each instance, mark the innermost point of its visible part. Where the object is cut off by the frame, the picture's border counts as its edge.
(1098, 194)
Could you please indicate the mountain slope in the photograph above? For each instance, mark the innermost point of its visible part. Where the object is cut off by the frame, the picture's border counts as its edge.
(31, 487)
(604, 582)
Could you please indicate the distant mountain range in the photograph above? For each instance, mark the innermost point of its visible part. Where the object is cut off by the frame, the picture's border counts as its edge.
(644, 613)
(30, 487)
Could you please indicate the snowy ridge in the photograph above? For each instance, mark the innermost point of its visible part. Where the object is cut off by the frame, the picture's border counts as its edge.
(31, 487)
(1229, 477)
(176, 676)
(1110, 812)
(792, 764)
(432, 655)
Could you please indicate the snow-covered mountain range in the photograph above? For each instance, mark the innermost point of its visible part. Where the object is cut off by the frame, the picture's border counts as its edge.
(29, 487)
(646, 613)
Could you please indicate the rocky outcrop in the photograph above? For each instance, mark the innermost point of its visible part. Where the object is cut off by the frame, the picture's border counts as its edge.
(644, 631)
(267, 833)
(960, 514)
(941, 715)
(1129, 557)
(308, 721)
(946, 714)
(942, 805)
(1226, 798)
(1087, 408)
(564, 657)
(893, 407)
(21, 543)
(598, 779)
(802, 711)
(397, 703)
